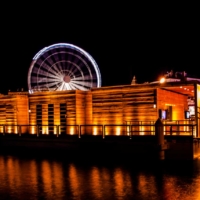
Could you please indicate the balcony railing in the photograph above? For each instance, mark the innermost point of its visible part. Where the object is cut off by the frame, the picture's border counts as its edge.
(102, 130)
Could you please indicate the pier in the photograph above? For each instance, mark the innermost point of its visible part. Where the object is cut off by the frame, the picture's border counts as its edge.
(179, 142)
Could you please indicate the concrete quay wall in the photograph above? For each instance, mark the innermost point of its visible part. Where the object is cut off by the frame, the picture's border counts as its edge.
(94, 147)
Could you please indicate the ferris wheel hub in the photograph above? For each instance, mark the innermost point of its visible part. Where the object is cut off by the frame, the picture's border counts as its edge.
(67, 79)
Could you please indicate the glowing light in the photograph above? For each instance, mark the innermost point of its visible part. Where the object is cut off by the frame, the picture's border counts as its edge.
(162, 80)
(128, 130)
(55, 130)
(95, 131)
(9, 129)
(45, 130)
(186, 128)
(1, 129)
(118, 131)
(164, 129)
(154, 106)
(71, 131)
(33, 130)
(141, 128)
(15, 130)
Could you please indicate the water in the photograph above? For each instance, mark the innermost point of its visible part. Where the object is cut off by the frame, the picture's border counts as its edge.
(52, 178)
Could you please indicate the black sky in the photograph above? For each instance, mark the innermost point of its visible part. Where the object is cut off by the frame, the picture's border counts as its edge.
(125, 39)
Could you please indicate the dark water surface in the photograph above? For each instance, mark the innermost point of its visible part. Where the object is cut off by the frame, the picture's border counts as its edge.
(52, 178)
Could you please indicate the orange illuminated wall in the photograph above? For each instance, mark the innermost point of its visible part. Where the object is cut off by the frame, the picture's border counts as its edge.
(22, 112)
(117, 105)
(123, 105)
(83, 107)
(78, 108)
(8, 113)
(178, 102)
(3, 100)
(197, 109)
(84, 110)
(14, 111)
(55, 98)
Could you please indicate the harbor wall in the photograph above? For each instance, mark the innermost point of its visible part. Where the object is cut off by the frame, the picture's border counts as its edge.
(111, 147)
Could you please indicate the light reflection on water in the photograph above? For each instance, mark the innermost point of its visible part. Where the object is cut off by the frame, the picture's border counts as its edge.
(23, 178)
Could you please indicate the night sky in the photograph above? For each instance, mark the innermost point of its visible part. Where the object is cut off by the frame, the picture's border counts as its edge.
(125, 39)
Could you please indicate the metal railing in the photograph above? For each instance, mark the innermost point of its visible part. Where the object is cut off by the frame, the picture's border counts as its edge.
(102, 130)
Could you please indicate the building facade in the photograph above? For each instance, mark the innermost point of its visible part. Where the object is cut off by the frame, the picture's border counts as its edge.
(115, 110)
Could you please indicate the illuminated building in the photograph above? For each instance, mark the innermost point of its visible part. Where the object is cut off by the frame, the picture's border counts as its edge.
(71, 104)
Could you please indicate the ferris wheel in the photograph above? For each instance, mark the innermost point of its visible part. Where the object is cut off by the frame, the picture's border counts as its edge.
(61, 67)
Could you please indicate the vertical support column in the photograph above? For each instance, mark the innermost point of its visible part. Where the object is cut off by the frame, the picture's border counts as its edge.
(103, 131)
(159, 134)
(20, 130)
(130, 133)
(79, 134)
(57, 130)
(38, 130)
(4, 130)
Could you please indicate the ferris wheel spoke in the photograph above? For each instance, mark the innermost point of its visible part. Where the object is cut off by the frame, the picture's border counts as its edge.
(84, 63)
(34, 80)
(83, 83)
(42, 85)
(68, 65)
(73, 70)
(61, 86)
(42, 80)
(46, 79)
(76, 69)
(45, 68)
(48, 68)
(80, 78)
(54, 80)
(57, 69)
(58, 78)
(73, 59)
(67, 86)
(57, 86)
(62, 54)
(42, 72)
(52, 84)
(60, 67)
(39, 62)
(36, 68)
(80, 87)
(63, 67)
(53, 70)
(51, 59)
(72, 87)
